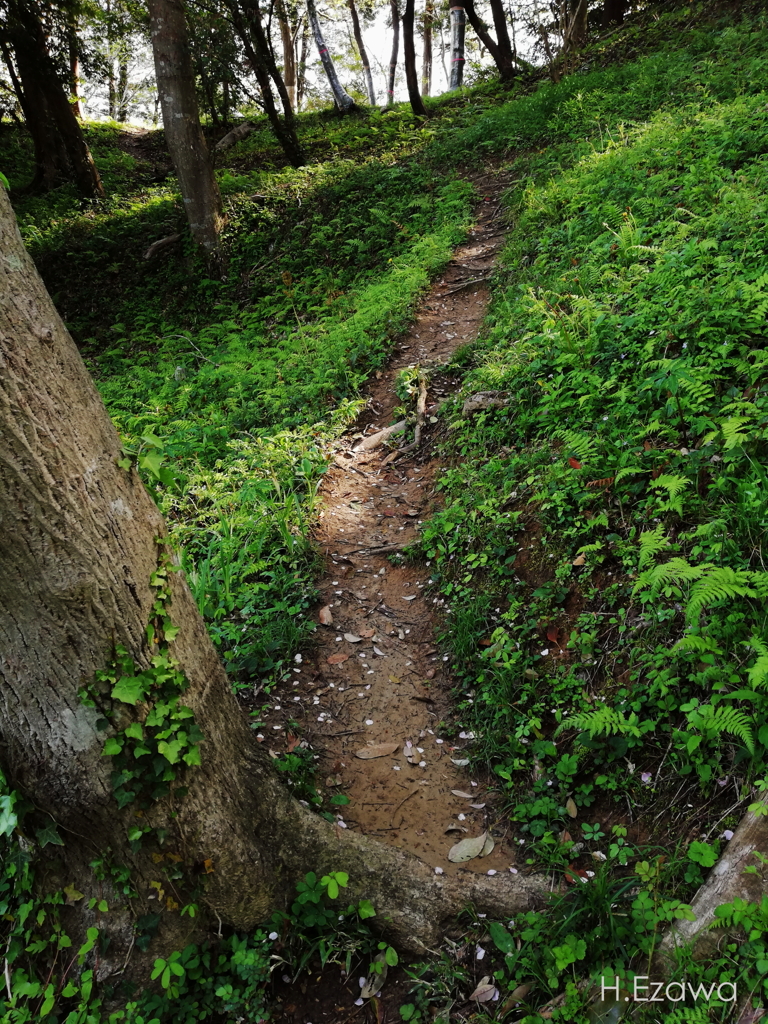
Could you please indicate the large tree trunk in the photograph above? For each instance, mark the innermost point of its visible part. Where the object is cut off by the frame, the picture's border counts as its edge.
(363, 53)
(458, 28)
(506, 65)
(79, 545)
(409, 54)
(61, 152)
(395, 49)
(343, 100)
(178, 100)
(426, 59)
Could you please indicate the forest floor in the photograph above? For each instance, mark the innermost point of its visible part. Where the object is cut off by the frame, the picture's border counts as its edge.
(375, 679)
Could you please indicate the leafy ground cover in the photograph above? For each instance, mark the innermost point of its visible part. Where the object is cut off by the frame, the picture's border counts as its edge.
(601, 542)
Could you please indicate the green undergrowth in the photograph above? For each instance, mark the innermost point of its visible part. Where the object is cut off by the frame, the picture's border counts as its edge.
(601, 545)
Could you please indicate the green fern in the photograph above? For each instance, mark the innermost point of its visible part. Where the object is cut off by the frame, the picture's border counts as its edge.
(717, 721)
(651, 543)
(758, 673)
(719, 584)
(697, 644)
(602, 721)
(674, 486)
(676, 570)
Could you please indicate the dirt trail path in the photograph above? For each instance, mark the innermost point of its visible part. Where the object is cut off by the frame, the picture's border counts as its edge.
(391, 685)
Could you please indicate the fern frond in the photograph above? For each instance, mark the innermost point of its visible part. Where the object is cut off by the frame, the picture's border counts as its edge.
(758, 673)
(697, 644)
(602, 721)
(676, 570)
(651, 543)
(717, 721)
(718, 584)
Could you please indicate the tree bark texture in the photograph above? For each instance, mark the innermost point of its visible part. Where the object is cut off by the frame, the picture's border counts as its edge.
(458, 29)
(181, 120)
(363, 52)
(426, 59)
(409, 55)
(506, 65)
(78, 545)
(344, 101)
(61, 152)
(73, 45)
(395, 52)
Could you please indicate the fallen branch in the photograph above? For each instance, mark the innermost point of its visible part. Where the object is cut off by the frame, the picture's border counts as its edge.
(235, 136)
(467, 284)
(374, 440)
(160, 244)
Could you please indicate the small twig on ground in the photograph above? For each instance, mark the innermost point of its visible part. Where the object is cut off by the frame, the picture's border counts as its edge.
(394, 813)
(160, 244)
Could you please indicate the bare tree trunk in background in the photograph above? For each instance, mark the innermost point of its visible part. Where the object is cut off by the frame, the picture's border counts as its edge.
(122, 88)
(344, 101)
(225, 102)
(285, 130)
(61, 152)
(507, 65)
(426, 60)
(289, 53)
(73, 45)
(208, 92)
(181, 120)
(575, 29)
(395, 50)
(363, 53)
(301, 78)
(443, 47)
(409, 56)
(78, 545)
(458, 28)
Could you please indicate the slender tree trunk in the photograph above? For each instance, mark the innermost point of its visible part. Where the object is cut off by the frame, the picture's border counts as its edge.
(225, 102)
(409, 55)
(395, 48)
(426, 60)
(482, 34)
(176, 86)
(506, 65)
(363, 53)
(79, 547)
(344, 101)
(301, 77)
(73, 44)
(575, 34)
(442, 57)
(122, 88)
(210, 99)
(61, 151)
(289, 54)
(284, 130)
(458, 23)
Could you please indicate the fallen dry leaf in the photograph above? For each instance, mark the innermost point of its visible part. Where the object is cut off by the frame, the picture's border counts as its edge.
(487, 846)
(485, 990)
(338, 659)
(571, 807)
(325, 616)
(293, 742)
(333, 780)
(411, 598)
(352, 638)
(460, 762)
(579, 560)
(467, 849)
(461, 793)
(521, 991)
(377, 750)
(367, 633)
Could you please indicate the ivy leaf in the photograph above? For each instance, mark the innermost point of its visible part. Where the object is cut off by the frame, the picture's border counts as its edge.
(134, 731)
(129, 689)
(113, 746)
(48, 836)
(170, 751)
(192, 757)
